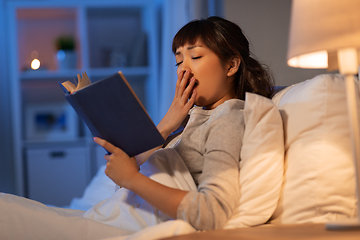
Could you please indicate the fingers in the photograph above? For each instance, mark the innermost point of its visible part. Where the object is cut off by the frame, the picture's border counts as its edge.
(191, 101)
(180, 76)
(107, 157)
(182, 82)
(185, 87)
(105, 144)
(188, 90)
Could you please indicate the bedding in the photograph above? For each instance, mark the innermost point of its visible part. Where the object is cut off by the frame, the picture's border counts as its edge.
(126, 210)
(261, 165)
(319, 181)
(22, 218)
(100, 187)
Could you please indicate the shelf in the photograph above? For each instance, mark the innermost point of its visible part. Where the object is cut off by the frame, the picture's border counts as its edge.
(116, 37)
(70, 74)
(81, 141)
(48, 74)
(37, 31)
(127, 71)
(110, 36)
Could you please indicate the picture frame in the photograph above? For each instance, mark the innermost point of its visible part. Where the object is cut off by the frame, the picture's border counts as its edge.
(51, 122)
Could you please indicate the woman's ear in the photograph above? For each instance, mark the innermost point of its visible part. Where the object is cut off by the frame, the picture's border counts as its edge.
(233, 66)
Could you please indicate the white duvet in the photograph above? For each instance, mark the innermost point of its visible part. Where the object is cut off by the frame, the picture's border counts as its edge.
(122, 216)
(125, 216)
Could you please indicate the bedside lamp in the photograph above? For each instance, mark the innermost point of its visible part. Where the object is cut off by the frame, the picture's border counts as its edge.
(326, 34)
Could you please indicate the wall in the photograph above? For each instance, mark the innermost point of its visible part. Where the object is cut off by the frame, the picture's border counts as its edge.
(266, 24)
(6, 163)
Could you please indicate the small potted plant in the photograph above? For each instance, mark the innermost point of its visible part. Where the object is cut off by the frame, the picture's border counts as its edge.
(66, 54)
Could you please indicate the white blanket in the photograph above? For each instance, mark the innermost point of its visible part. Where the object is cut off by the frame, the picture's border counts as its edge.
(122, 216)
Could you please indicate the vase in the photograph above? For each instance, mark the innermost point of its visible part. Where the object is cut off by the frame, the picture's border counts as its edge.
(66, 59)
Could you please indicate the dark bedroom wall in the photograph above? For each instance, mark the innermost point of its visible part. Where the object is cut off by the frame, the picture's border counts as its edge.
(266, 24)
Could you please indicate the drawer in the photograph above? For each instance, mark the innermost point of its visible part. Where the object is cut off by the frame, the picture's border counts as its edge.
(56, 175)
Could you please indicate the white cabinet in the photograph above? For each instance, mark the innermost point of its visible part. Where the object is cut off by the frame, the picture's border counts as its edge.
(56, 175)
(110, 36)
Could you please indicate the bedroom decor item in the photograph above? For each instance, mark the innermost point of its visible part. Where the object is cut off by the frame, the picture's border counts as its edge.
(51, 122)
(326, 34)
(66, 54)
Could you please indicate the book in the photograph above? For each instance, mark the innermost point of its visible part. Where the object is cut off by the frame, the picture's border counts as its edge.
(112, 111)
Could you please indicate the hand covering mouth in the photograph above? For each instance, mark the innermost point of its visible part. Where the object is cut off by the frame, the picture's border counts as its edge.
(195, 85)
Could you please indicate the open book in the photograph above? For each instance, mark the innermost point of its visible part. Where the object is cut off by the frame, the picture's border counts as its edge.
(82, 81)
(112, 111)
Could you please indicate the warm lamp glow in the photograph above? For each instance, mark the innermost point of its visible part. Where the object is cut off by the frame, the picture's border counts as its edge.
(319, 28)
(348, 63)
(35, 64)
(310, 60)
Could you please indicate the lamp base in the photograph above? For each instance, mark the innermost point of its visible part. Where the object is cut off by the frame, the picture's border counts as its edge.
(350, 224)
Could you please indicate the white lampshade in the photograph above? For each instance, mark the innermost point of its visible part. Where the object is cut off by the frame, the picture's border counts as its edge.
(319, 28)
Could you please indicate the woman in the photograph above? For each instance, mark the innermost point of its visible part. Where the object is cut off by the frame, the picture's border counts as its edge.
(215, 70)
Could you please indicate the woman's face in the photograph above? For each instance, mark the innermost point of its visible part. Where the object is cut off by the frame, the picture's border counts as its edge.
(213, 85)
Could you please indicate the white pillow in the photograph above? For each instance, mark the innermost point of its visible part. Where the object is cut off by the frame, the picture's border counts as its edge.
(319, 181)
(261, 165)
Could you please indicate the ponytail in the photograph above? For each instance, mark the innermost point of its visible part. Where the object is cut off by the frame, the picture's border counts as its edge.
(253, 77)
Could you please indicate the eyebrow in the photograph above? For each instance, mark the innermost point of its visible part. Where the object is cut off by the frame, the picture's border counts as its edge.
(189, 48)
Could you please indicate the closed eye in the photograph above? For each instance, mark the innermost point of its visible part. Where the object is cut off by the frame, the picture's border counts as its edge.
(194, 58)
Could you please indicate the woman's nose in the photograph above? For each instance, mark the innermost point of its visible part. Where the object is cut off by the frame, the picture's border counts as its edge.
(182, 70)
(185, 65)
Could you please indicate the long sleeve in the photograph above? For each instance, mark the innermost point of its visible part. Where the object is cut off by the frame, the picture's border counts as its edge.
(220, 139)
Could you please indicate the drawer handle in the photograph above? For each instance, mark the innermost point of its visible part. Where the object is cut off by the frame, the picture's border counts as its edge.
(58, 154)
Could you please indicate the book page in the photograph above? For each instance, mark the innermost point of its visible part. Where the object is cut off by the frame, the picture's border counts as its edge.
(82, 81)
(70, 87)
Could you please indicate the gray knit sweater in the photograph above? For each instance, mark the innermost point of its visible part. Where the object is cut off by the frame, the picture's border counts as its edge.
(210, 146)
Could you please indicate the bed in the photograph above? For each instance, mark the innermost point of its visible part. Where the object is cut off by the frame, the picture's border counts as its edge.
(297, 143)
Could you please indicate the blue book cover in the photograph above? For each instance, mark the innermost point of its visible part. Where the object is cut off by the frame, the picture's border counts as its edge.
(112, 111)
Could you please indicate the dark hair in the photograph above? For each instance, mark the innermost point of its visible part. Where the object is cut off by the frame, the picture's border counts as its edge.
(227, 40)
